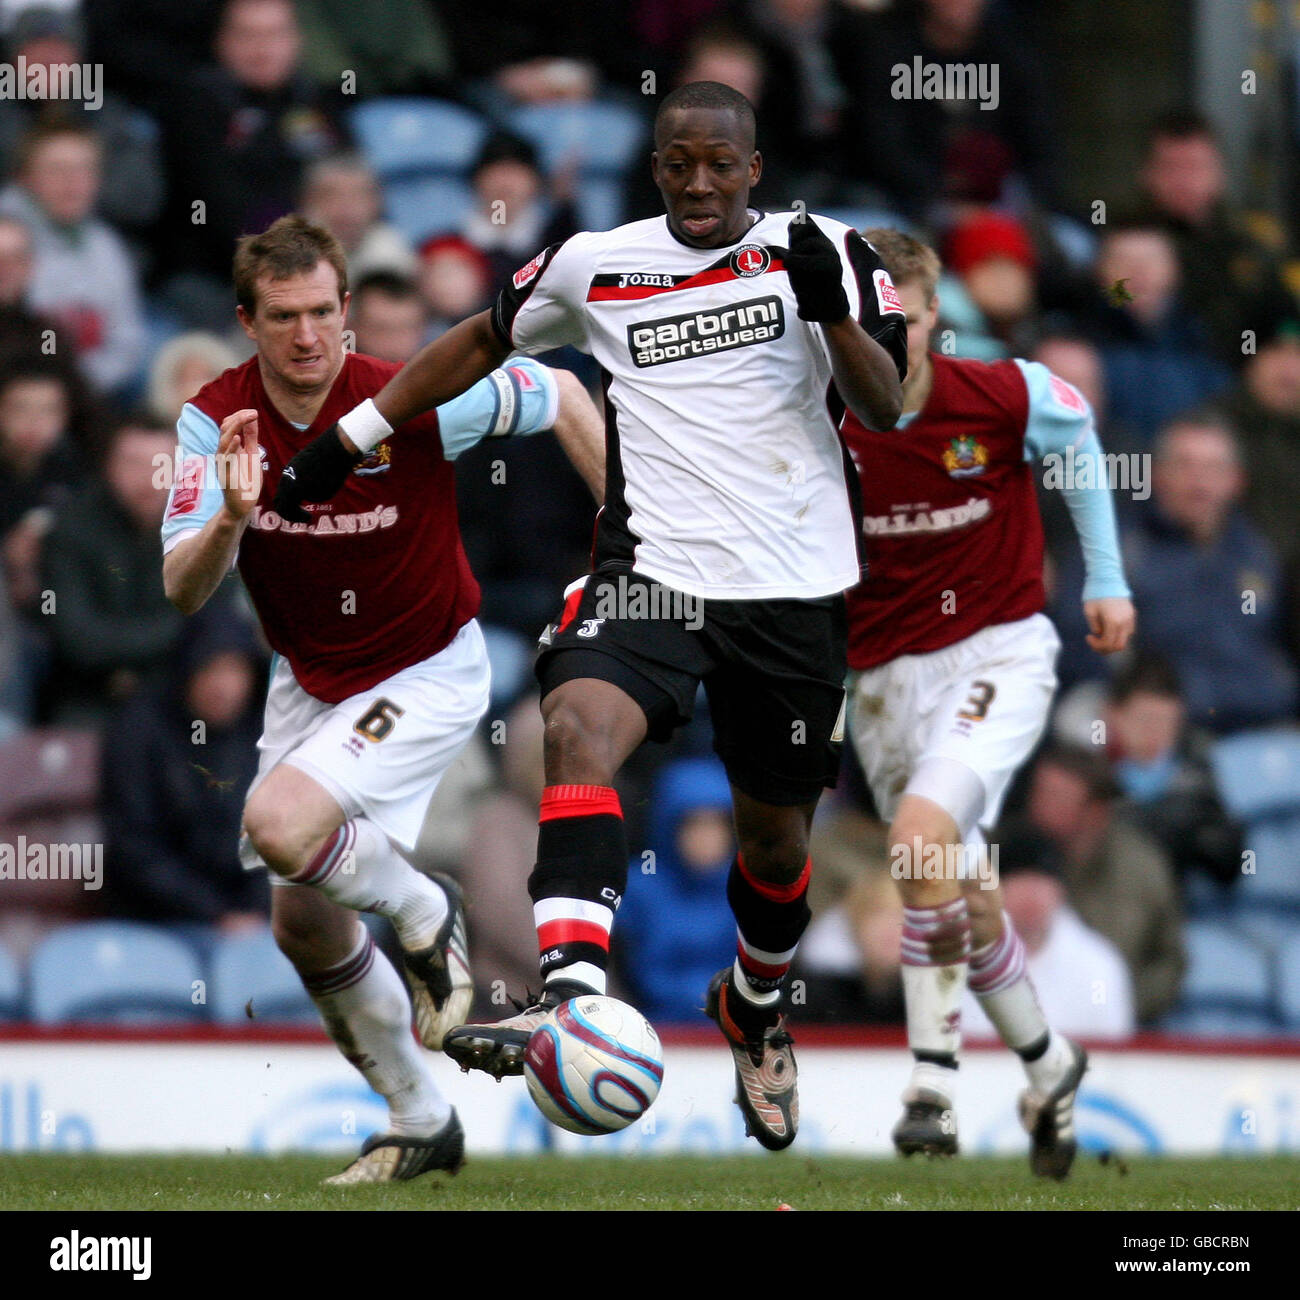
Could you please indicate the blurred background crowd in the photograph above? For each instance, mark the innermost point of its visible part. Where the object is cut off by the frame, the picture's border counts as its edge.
(1124, 213)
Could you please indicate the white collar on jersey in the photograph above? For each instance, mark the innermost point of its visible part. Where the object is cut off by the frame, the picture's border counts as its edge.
(756, 215)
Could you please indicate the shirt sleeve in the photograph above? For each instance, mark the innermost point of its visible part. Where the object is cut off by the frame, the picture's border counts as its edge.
(196, 491)
(1061, 433)
(521, 397)
(543, 305)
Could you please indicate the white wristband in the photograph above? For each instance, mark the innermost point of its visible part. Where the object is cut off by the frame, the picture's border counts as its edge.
(365, 427)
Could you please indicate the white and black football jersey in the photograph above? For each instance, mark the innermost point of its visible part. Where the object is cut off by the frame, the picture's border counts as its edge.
(726, 477)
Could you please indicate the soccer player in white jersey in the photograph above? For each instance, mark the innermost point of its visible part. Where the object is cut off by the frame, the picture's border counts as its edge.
(729, 339)
(954, 671)
(376, 686)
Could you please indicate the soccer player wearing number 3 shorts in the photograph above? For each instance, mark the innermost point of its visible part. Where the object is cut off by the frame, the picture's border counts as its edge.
(953, 675)
(380, 673)
(723, 550)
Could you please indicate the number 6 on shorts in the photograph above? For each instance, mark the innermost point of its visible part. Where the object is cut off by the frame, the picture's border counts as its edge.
(378, 720)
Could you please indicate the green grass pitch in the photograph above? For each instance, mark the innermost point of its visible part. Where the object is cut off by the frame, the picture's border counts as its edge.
(95, 1182)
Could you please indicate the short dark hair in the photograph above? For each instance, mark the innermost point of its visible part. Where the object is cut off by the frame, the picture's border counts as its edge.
(34, 369)
(505, 146)
(1149, 673)
(390, 284)
(714, 95)
(1086, 765)
(1182, 123)
(137, 420)
(1197, 417)
(1022, 847)
(288, 247)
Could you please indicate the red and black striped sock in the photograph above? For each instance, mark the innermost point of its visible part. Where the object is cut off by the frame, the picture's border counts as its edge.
(770, 919)
(578, 881)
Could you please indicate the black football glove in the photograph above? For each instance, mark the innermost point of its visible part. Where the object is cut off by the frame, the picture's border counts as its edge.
(316, 473)
(815, 273)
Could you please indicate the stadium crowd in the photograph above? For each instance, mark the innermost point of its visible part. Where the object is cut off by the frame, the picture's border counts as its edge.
(444, 144)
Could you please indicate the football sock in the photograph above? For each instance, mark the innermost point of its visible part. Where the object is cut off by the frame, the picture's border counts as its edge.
(930, 1077)
(999, 978)
(936, 950)
(358, 868)
(367, 1012)
(770, 920)
(1048, 1069)
(578, 882)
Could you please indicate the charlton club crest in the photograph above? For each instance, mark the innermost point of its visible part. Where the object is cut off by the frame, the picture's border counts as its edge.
(750, 260)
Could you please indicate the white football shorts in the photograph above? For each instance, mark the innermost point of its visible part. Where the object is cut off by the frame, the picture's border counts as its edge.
(381, 753)
(981, 703)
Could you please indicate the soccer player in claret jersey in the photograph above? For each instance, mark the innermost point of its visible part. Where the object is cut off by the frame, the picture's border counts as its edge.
(953, 675)
(725, 543)
(380, 673)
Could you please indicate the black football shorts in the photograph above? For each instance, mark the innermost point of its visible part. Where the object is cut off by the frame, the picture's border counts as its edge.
(773, 673)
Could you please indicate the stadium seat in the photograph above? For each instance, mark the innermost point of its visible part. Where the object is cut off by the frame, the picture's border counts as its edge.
(600, 202)
(1220, 1022)
(1075, 240)
(1274, 932)
(421, 206)
(1275, 881)
(511, 658)
(1228, 988)
(116, 971)
(49, 794)
(602, 138)
(48, 769)
(421, 150)
(1258, 775)
(11, 987)
(249, 971)
(405, 137)
(1289, 984)
(1224, 964)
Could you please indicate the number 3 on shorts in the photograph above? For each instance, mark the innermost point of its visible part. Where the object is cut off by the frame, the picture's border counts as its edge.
(977, 703)
(378, 720)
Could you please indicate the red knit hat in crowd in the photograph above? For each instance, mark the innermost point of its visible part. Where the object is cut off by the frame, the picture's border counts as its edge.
(988, 235)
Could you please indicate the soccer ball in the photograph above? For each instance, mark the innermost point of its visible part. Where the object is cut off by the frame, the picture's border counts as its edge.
(594, 1065)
